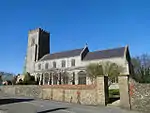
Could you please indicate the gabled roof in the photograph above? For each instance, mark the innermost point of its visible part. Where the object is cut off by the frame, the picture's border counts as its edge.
(63, 54)
(103, 54)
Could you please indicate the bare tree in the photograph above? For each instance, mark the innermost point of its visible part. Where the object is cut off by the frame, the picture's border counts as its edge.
(141, 66)
(112, 70)
(94, 70)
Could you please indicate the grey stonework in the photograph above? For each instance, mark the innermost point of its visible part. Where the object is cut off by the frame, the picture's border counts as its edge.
(140, 96)
(124, 91)
(37, 47)
(134, 95)
(94, 94)
(28, 91)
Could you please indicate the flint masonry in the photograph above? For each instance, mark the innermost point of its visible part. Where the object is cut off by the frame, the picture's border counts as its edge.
(67, 67)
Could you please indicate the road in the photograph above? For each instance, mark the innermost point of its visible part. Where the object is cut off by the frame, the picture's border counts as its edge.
(28, 105)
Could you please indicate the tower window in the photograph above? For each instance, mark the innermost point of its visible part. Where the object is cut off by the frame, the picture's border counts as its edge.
(73, 62)
(32, 41)
(54, 64)
(63, 63)
(46, 66)
(39, 67)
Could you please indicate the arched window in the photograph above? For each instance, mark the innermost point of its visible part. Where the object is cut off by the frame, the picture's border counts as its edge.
(65, 78)
(82, 77)
(39, 67)
(55, 79)
(54, 64)
(73, 79)
(46, 66)
(32, 41)
(38, 78)
(46, 78)
(73, 62)
(63, 63)
(50, 80)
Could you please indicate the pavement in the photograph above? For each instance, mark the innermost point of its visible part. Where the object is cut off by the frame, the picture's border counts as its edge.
(29, 105)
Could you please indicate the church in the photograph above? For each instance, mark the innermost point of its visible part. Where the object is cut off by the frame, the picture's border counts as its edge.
(67, 67)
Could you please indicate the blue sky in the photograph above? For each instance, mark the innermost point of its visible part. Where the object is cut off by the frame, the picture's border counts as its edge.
(100, 23)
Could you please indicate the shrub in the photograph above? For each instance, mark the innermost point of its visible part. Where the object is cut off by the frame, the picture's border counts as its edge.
(113, 92)
(28, 80)
(27, 83)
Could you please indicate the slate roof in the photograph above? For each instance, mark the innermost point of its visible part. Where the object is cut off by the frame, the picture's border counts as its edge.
(103, 54)
(63, 54)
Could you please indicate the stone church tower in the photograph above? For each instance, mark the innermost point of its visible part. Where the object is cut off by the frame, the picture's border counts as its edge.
(38, 46)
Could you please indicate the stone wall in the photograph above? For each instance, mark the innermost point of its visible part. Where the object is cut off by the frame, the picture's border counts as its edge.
(75, 94)
(124, 92)
(94, 94)
(140, 96)
(133, 95)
